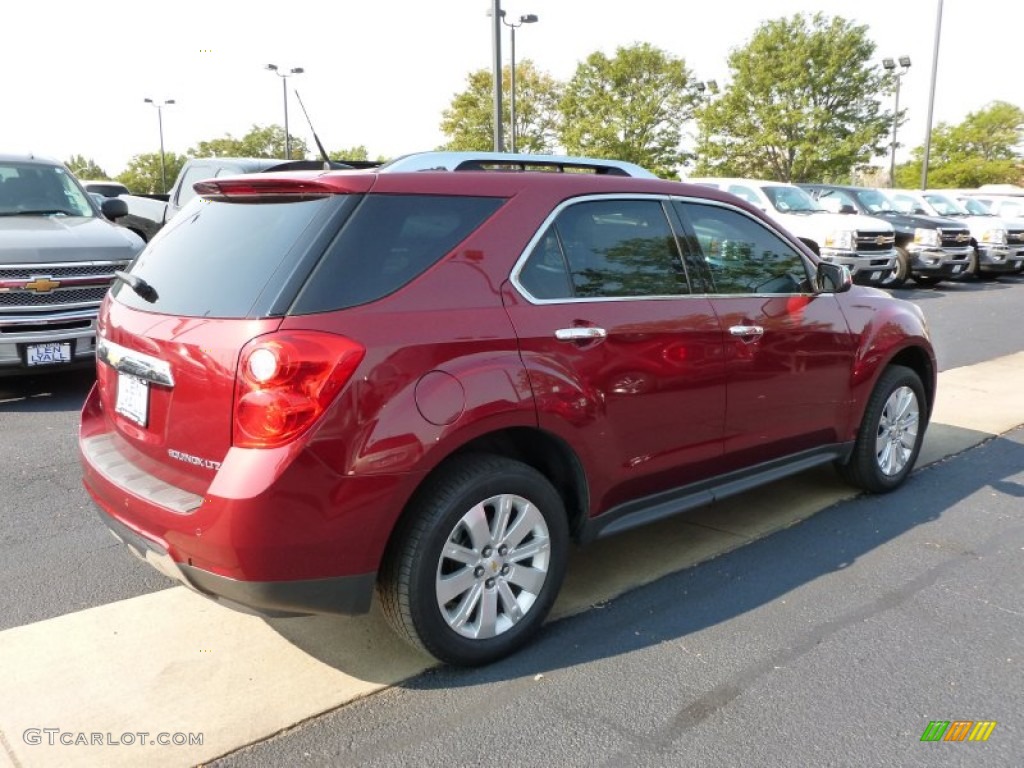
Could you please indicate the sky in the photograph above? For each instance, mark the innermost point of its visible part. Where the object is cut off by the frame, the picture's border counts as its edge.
(379, 73)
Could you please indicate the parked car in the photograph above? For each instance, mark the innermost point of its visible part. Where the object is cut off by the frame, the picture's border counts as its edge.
(929, 248)
(993, 253)
(432, 381)
(864, 244)
(106, 187)
(58, 253)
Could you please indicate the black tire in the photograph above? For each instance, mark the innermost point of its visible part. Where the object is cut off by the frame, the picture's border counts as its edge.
(902, 271)
(927, 280)
(973, 264)
(493, 597)
(865, 467)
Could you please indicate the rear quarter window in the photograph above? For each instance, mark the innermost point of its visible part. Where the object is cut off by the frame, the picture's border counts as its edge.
(388, 241)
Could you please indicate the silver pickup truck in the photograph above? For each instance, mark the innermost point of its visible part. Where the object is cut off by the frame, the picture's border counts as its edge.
(58, 254)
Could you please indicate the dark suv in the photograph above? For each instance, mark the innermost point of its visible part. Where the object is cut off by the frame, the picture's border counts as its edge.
(312, 385)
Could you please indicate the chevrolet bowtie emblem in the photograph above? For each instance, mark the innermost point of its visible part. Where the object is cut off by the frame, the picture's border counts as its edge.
(881, 240)
(42, 285)
(962, 238)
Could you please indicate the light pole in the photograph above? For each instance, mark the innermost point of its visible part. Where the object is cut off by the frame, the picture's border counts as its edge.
(528, 18)
(496, 13)
(890, 66)
(705, 90)
(160, 122)
(284, 88)
(931, 96)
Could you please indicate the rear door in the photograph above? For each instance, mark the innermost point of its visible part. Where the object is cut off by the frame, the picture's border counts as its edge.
(789, 352)
(624, 361)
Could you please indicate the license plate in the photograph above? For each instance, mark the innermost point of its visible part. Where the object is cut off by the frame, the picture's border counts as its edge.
(132, 398)
(957, 268)
(51, 353)
(876, 275)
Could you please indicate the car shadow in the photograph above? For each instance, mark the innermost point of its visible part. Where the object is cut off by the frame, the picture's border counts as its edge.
(709, 593)
(912, 291)
(50, 392)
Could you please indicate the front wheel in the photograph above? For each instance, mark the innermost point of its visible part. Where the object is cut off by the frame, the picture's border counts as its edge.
(901, 272)
(890, 434)
(476, 567)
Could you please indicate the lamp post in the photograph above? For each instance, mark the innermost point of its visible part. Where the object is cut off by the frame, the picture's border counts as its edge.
(496, 13)
(528, 18)
(160, 121)
(890, 66)
(931, 96)
(284, 88)
(705, 90)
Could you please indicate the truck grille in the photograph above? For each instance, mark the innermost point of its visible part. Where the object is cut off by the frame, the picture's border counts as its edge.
(955, 238)
(874, 241)
(58, 298)
(56, 286)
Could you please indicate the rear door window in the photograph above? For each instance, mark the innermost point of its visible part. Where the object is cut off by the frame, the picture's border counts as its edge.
(388, 241)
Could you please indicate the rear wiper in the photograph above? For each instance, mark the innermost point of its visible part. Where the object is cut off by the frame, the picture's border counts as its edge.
(137, 284)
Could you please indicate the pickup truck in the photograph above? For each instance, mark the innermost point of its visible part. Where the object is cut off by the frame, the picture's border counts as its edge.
(929, 248)
(148, 213)
(863, 244)
(59, 253)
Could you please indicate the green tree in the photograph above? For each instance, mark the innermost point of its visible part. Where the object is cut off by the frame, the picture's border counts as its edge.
(468, 122)
(142, 176)
(983, 149)
(353, 153)
(260, 141)
(630, 107)
(802, 104)
(85, 168)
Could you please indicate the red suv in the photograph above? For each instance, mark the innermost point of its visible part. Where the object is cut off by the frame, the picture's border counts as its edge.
(429, 383)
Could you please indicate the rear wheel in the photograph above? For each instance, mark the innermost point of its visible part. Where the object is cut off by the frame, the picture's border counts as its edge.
(890, 434)
(474, 571)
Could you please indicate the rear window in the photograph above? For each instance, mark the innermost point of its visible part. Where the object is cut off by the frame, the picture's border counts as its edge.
(388, 241)
(217, 259)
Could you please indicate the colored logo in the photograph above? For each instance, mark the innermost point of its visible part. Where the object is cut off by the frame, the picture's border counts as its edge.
(958, 730)
(42, 285)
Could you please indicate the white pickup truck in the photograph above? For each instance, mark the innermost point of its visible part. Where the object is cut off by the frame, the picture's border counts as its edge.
(864, 244)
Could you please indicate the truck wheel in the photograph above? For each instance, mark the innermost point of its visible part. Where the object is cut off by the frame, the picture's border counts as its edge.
(474, 570)
(901, 272)
(890, 434)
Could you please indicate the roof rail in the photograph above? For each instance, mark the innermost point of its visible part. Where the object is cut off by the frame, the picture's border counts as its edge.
(504, 161)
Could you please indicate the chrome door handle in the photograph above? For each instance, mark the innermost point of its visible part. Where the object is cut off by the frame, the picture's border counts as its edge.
(580, 334)
(747, 331)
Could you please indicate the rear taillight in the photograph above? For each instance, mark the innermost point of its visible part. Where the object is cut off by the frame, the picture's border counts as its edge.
(285, 381)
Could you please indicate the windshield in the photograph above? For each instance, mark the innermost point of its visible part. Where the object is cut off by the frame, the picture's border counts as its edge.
(38, 189)
(791, 200)
(975, 207)
(945, 206)
(874, 201)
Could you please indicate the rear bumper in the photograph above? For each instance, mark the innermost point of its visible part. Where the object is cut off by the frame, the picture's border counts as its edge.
(275, 534)
(341, 594)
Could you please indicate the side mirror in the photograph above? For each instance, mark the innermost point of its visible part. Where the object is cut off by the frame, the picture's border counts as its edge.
(833, 278)
(114, 208)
